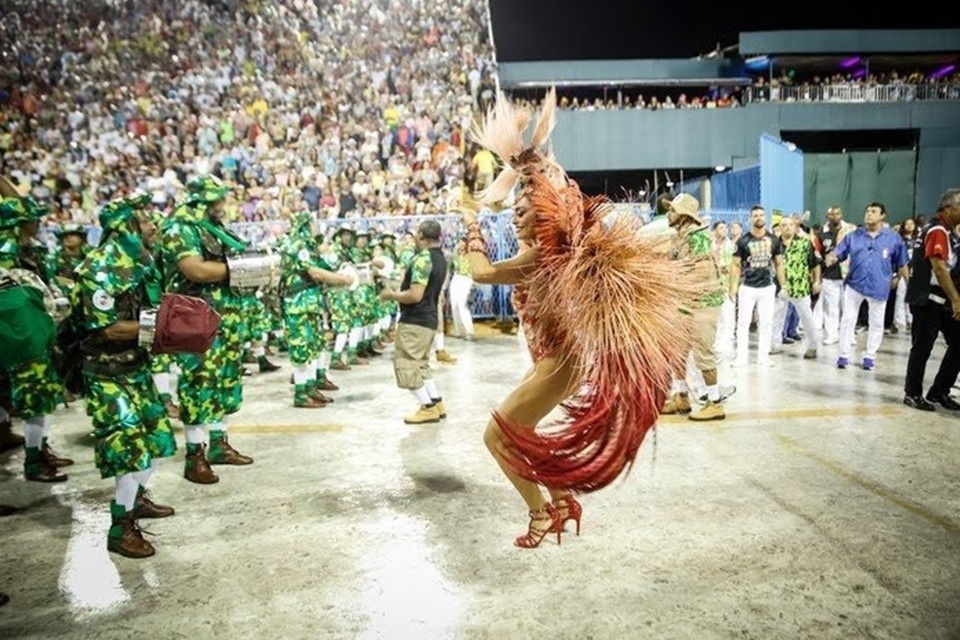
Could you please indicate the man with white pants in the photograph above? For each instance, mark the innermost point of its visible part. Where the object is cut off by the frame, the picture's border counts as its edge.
(827, 312)
(802, 271)
(755, 253)
(875, 253)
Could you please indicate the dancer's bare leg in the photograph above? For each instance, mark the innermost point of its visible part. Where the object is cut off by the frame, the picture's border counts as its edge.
(543, 388)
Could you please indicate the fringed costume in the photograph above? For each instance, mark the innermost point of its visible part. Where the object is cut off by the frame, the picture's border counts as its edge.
(596, 295)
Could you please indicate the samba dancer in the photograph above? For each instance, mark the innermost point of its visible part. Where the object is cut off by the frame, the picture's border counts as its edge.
(116, 281)
(586, 269)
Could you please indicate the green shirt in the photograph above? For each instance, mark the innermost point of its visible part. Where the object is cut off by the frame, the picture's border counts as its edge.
(420, 268)
(460, 265)
(701, 246)
(182, 240)
(798, 259)
(301, 293)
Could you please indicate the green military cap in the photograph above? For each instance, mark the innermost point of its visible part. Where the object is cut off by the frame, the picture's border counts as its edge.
(206, 189)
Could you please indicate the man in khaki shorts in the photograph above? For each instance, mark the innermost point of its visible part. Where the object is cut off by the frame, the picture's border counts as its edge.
(419, 297)
(684, 217)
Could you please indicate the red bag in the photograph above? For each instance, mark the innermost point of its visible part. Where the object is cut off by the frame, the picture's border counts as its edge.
(185, 324)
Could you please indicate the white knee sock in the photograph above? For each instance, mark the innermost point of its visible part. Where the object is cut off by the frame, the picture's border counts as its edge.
(713, 392)
(221, 426)
(340, 343)
(431, 387)
(354, 338)
(33, 432)
(438, 341)
(162, 382)
(300, 374)
(324, 360)
(195, 433)
(126, 494)
(145, 475)
(422, 396)
(259, 351)
(4, 416)
(679, 386)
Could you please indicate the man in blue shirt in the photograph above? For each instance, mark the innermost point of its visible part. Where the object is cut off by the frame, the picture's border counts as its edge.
(875, 253)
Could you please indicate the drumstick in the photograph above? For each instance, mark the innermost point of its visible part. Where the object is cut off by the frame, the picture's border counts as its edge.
(7, 190)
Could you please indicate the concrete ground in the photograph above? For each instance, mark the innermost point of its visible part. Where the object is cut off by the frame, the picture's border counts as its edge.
(820, 508)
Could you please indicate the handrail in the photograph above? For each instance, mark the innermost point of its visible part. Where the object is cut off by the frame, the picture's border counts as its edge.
(852, 92)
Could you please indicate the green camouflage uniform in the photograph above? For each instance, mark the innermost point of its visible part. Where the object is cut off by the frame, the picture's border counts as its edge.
(339, 299)
(365, 298)
(35, 387)
(209, 386)
(303, 302)
(130, 423)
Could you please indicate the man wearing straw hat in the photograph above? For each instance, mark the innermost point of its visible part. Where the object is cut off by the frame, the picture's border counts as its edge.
(693, 235)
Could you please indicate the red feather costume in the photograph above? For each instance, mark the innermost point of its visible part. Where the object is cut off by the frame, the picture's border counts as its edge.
(601, 293)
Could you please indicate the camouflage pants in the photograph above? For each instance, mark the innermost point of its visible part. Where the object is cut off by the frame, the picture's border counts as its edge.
(340, 305)
(303, 339)
(209, 385)
(35, 389)
(367, 305)
(256, 319)
(129, 422)
(231, 370)
(160, 363)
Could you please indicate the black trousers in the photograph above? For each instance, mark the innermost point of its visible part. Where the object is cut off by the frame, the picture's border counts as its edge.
(929, 321)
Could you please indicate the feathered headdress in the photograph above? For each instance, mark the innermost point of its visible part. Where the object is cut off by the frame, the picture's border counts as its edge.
(613, 300)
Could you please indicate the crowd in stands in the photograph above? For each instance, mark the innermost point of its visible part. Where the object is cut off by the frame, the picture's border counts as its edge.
(347, 107)
(787, 87)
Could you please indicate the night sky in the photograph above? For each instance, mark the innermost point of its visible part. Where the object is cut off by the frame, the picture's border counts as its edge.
(607, 29)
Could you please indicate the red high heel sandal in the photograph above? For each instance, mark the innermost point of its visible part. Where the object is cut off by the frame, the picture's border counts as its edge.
(535, 535)
(574, 511)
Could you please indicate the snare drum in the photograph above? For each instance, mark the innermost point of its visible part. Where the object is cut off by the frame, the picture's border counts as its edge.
(348, 269)
(254, 270)
(365, 273)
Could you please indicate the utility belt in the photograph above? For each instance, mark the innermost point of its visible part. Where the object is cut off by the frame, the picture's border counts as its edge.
(115, 364)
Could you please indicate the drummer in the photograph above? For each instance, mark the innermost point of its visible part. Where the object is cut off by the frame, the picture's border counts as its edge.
(340, 304)
(72, 248)
(386, 309)
(35, 388)
(195, 251)
(304, 273)
(365, 296)
(116, 281)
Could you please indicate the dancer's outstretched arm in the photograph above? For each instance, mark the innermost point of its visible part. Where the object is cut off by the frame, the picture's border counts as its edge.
(510, 271)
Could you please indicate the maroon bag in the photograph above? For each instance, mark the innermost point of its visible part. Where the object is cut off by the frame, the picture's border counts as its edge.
(185, 324)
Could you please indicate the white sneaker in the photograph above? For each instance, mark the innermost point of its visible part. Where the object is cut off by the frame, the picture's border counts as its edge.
(829, 341)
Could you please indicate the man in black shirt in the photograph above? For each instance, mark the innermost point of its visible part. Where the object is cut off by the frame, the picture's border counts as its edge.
(756, 255)
(419, 297)
(831, 280)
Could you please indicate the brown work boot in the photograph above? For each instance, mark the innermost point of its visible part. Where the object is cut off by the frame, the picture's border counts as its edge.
(710, 411)
(144, 507)
(222, 453)
(173, 411)
(125, 536)
(441, 409)
(319, 395)
(425, 414)
(36, 468)
(8, 439)
(309, 402)
(196, 467)
(53, 459)
(444, 356)
(265, 366)
(677, 404)
(339, 365)
(327, 385)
